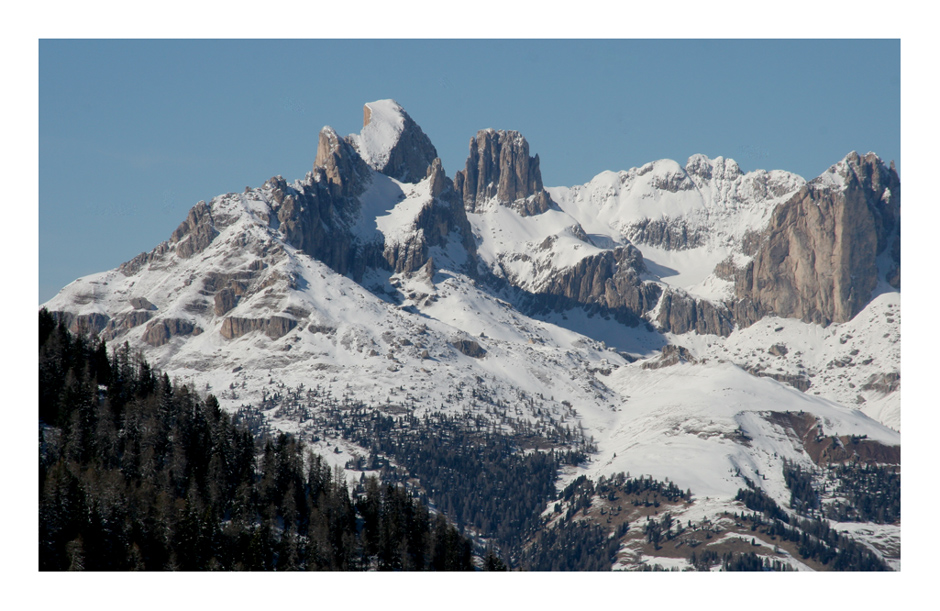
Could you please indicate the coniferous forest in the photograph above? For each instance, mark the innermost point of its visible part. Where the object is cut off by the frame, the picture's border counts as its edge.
(136, 472)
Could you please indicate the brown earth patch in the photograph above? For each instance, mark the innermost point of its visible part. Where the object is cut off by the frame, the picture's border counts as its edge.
(825, 449)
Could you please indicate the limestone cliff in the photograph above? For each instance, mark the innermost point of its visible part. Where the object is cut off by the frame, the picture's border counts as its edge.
(816, 260)
(499, 166)
(610, 280)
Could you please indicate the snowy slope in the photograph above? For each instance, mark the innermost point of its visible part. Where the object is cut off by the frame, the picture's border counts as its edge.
(842, 362)
(528, 250)
(710, 201)
(349, 338)
(379, 136)
(685, 423)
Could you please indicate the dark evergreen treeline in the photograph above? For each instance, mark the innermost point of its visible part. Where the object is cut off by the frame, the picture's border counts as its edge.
(140, 473)
(478, 478)
(815, 538)
(730, 561)
(755, 500)
(574, 546)
(872, 494)
(68, 367)
(580, 493)
(803, 496)
(866, 493)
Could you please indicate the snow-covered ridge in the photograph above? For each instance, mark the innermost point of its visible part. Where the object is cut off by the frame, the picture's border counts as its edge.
(708, 194)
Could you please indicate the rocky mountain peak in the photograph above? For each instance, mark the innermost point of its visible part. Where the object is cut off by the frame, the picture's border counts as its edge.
(867, 170)
(392, 143)
(499, 167)
(340, 164)
(719, 168)
(817, 259)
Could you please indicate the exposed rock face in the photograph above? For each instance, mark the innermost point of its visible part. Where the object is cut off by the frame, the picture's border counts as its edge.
(434, 225)
(799, 382)
(680, 313)
(191, 237)
(340, 164)
(670, 355)
(392, 143)
(816, 259)
(160, 331)
(274, 327)
(317, 215)
(315, 218)
(469, 347)
(499, 166)
(665, 233)
(83, 323)
(195, 233)
(884, 383)
(236, 281)
(609, 279)
(142, 303)
(123, 322)
(225, 300)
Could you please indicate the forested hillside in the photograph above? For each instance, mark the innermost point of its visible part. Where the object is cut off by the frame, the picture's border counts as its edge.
(136, 472)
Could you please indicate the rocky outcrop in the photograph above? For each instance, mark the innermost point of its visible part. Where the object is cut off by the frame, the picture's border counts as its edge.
(671, 234)
(316, 219)
(885, 383)
(669, 356)
(274, 327)
(83, 323)
(816, 260)
(159, 332)
(469, 347)
(129, 268)
(237, 281)
(499, 167)
(224, 300)
(191, 237)
(610, 279)
(195, 233)
(681, 313)
(339, 163)
(141, 303)
(124, 322)
(441, 219)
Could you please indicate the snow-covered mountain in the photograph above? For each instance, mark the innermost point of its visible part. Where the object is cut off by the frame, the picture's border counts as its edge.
(678, 316)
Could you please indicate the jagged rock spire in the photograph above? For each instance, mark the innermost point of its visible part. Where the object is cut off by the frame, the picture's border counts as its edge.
(499, 166)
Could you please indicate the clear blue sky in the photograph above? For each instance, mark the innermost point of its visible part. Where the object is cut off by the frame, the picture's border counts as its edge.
(133, 133)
